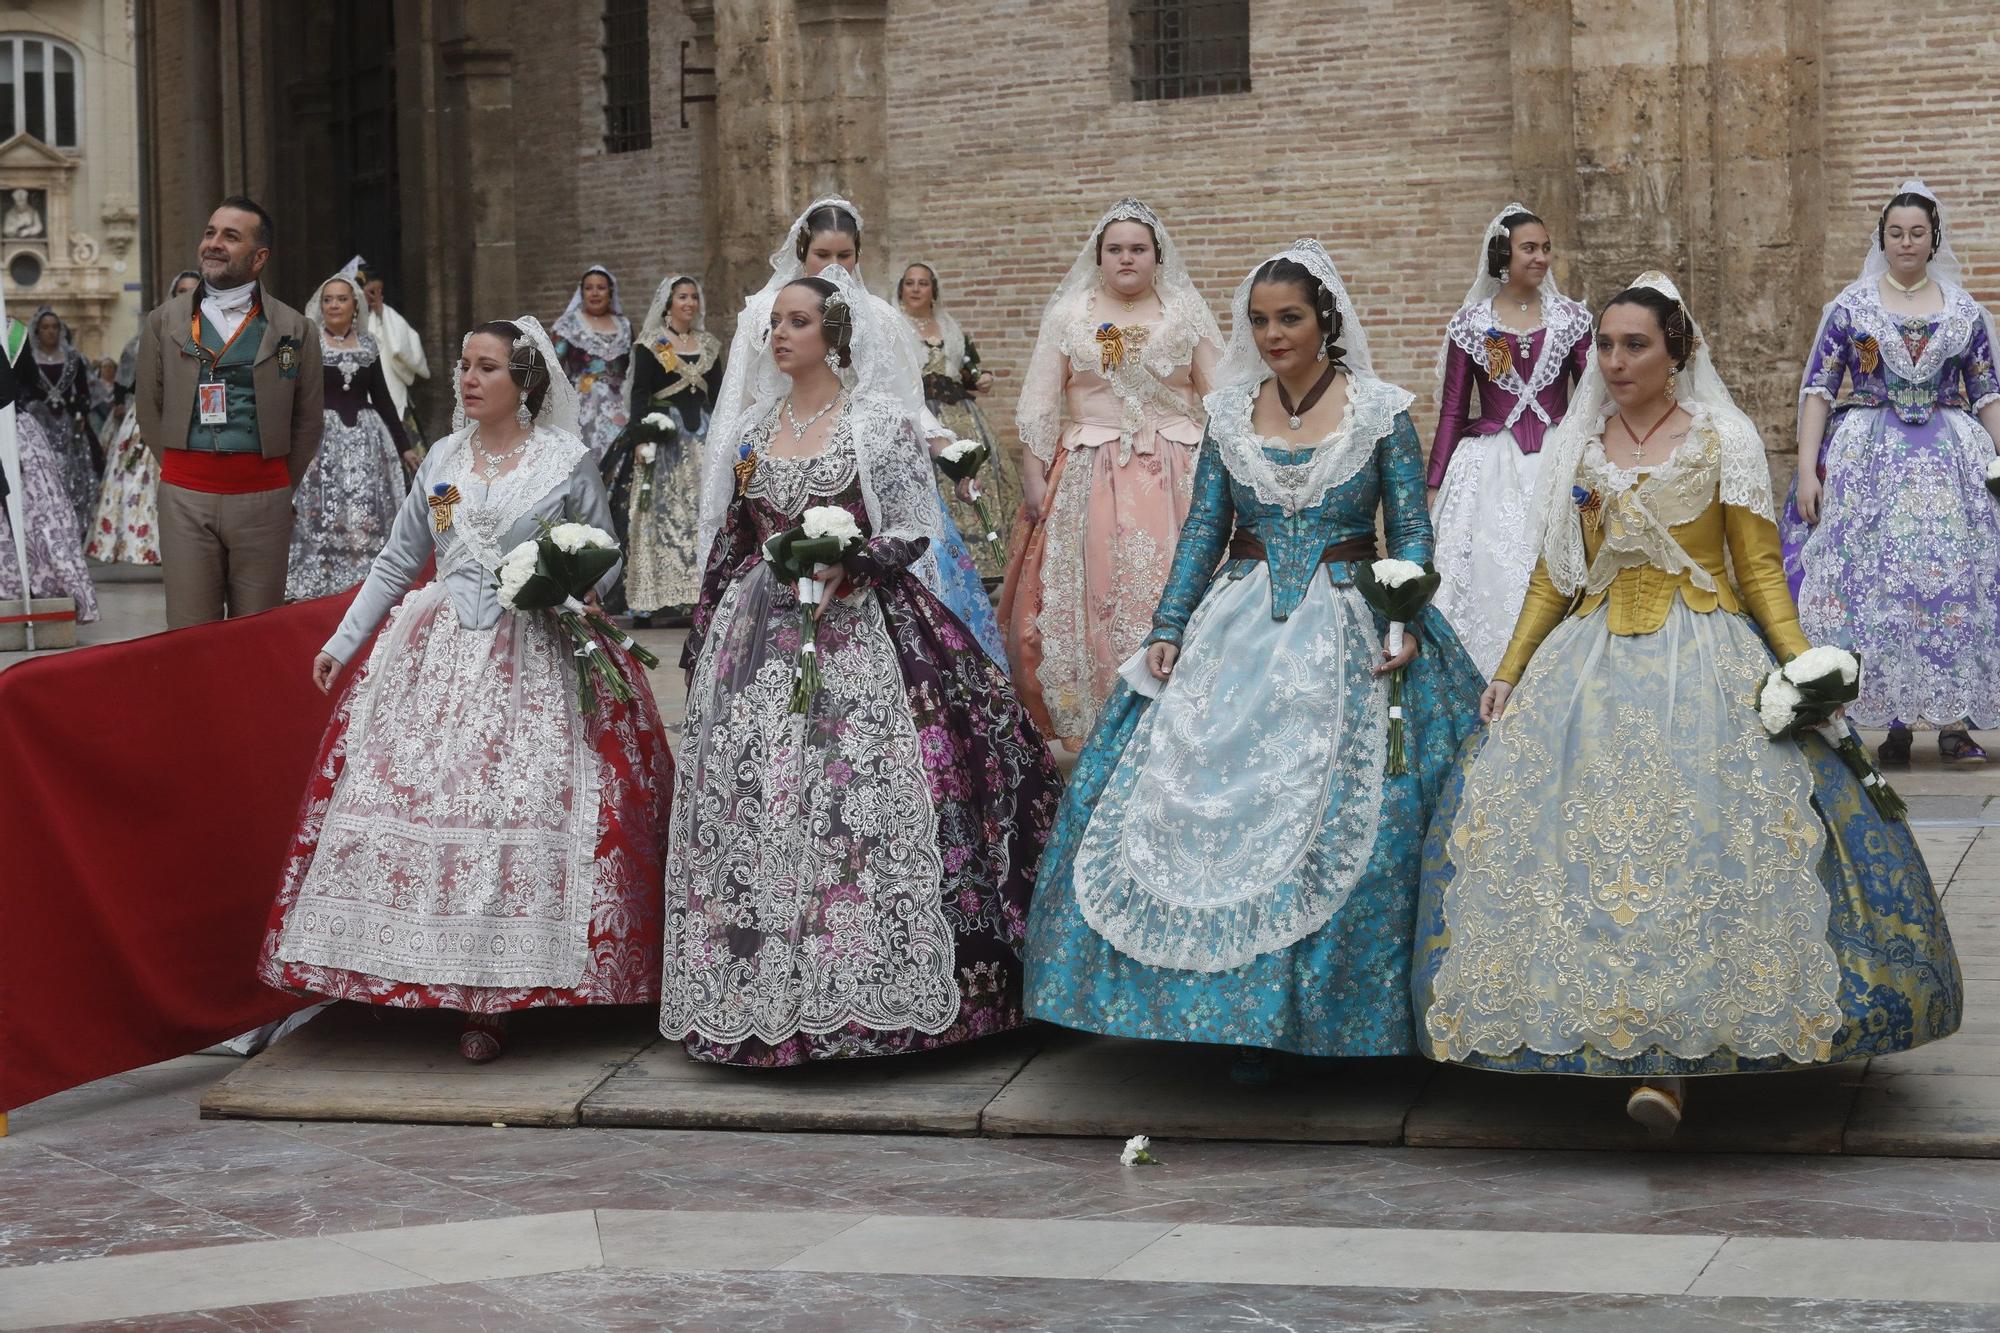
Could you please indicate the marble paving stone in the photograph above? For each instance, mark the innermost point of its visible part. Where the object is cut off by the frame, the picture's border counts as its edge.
(55, 1207)
(1116, 1088)
(979, 1247)
(1857, 1270)
(357, 1063)
(481, 1251)
(133, 1285)
(1458, 1260)
(889, 1303)
(939, 1093)
(1926, 810)
(1795, 1112)
(1933, 1115)
(672, 1242)
(1979, 966)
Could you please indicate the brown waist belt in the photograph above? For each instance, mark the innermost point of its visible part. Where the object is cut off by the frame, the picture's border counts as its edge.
(1245, 545)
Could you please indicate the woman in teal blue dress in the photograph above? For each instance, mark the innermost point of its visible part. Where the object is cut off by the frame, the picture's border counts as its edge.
(1232, 863)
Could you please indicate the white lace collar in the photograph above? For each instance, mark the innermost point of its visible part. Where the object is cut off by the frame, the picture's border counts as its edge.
(1961, 314)
(487, 513)
(1372, 407)
(1564, 324)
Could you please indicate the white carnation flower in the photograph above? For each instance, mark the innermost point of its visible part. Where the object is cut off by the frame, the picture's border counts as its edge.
(1778, 704)
(957, 449)
(1822, 663)
(1993, 468)
(648, 452)
(1395, 573)
(515, 570)
(657, 421)
(830, 521)
(574, 537)
(1136, 1153)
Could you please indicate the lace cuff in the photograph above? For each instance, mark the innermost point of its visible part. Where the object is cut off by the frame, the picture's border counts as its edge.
(1815, 391)
(882, 560)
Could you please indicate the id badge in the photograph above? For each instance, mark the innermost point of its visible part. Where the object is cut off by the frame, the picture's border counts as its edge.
(213, 399)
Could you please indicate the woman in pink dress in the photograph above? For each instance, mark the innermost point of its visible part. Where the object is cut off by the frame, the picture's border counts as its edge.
(1111, 415)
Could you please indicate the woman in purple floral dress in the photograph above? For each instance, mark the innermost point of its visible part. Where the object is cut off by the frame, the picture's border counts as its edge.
(1891, 542)
(851, 880)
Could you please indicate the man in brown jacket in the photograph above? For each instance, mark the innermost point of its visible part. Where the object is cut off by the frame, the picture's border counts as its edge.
(229, 391)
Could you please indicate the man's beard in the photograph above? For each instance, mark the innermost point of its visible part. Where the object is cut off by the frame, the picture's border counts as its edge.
(230, 276)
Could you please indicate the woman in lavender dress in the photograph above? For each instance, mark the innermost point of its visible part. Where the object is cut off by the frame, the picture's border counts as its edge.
(594, 342)
(347, 500)
(1522, 345)
(1891, 541)
(852, 880)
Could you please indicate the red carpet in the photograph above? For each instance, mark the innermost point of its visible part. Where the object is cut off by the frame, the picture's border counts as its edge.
(148, 795)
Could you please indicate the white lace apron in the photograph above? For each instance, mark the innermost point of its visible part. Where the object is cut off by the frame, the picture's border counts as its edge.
(459, 845)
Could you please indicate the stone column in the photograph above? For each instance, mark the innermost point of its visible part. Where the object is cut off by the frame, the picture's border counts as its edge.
(840, 123)
(1544, 99)
(750, 189)
(475, 163)
(1695, 139)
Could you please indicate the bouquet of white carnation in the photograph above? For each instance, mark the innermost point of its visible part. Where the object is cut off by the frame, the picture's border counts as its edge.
(825, 535)
(646, 435)
(961, 460)
(555, 571)
(1399, 590)
(1806, 694)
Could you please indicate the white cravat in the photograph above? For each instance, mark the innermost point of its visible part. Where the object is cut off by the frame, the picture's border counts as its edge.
(227, 308)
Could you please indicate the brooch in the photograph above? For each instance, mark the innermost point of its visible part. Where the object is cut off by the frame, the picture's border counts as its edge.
(444, 498)
(1589, 505)
(669, 359)
(746, 466)
(1498, 358)
(1868, 353)
(288, 358)
(1113, 343)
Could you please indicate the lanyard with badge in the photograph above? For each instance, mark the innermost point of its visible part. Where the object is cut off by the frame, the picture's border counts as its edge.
(211, 394)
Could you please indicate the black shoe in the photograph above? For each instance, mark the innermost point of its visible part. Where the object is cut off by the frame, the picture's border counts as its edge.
(1894, 751)
(641, 622)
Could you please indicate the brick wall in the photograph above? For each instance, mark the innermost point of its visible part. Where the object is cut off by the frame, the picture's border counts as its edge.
(1007, 140)
(638, 213)
(1907, 98)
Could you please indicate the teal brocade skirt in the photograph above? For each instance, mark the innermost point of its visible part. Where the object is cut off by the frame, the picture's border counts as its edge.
(1342, 990)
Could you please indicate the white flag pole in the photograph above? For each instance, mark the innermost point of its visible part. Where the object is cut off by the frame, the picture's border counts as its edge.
(10, 462)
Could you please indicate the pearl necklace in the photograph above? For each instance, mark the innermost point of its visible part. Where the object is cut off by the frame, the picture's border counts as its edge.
(799, 430)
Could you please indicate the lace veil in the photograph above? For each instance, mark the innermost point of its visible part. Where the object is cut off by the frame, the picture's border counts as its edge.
(731, 415)
(348, 276)
(1745, 474)
(949, 328)
(559, 407)
(1944, 267)
(897, 484)
(575, 307)
(654, 325)
(1485, 286)
(1371, 404)
(1039, 412)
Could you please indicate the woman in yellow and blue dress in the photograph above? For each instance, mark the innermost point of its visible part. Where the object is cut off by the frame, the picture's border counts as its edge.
(1628, 877)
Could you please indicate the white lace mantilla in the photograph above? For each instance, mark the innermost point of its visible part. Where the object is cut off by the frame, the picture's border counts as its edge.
(1372, 407)
(459, 844)
(486, 514)
(1244, 810)
(1564, 322)
(1718, 457)
(1961, 315)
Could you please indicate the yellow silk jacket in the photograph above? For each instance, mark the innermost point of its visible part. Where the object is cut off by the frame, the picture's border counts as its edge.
(1641, 596)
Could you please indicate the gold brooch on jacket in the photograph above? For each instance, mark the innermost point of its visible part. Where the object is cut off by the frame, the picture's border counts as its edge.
(444, 498)
(1114, 343)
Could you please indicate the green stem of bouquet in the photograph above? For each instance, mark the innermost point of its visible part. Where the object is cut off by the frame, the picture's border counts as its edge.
(805, 676)
(1399, 763)
(1887, 800)
(592, 667)
(985, 523)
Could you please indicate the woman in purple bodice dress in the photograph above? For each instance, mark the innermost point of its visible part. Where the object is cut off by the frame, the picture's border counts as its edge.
(1891, 540)
(1522, 345)
(852, 879)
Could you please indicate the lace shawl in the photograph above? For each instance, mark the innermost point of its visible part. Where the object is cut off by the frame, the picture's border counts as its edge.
(1372, 407)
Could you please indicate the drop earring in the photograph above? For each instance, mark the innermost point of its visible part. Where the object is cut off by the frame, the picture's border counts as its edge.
(833, 362)
(521, 413)
(1674, 384)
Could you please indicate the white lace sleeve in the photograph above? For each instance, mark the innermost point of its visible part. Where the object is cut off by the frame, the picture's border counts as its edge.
(1746, 471)
(896, 483)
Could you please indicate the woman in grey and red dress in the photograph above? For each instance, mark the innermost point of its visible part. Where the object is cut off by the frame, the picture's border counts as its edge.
(851, 880)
